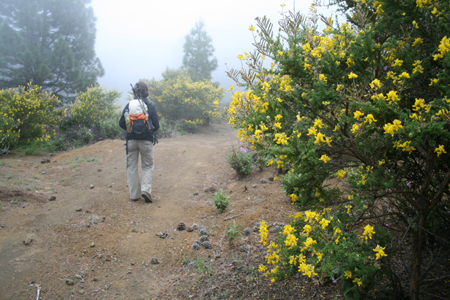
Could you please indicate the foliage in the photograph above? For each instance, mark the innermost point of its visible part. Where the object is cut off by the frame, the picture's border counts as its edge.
(177, 97)
(25, 113)
(165, 128)
(232, 234)
(108, 127)
(221, 201)
(197, 52)
(240, 161)
(94, 106)
(188, 126)
(85, 135)
(365, 104)
(49, 44)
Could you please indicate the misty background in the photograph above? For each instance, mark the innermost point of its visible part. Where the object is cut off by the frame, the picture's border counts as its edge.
(139, 39)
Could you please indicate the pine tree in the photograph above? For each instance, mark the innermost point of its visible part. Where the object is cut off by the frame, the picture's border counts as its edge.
(49, 43)
(198, 51)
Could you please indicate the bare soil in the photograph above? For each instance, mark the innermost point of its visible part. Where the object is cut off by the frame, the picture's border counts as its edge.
(69, 229)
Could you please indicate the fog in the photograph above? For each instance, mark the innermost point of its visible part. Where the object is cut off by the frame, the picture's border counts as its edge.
(140, 39)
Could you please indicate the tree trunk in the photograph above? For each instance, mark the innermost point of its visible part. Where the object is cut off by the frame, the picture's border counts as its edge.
(418, 246)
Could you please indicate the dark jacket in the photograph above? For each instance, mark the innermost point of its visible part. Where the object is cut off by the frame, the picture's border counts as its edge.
(153, 117)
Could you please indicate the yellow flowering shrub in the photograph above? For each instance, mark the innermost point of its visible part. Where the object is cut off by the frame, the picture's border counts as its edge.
(359, 116)
(93, 107)
(26, 115)
(317, 244)
(176, 97)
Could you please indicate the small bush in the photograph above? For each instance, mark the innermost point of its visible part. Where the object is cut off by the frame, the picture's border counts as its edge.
(85, 135)
(56, 143)
(188, 126)
(221, 201)
(109, 128)
(240, 161)
(165, 128)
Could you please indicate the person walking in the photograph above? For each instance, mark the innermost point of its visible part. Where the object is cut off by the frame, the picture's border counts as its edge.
(140, 120)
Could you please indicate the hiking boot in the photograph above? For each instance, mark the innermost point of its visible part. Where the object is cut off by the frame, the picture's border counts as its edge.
(147, 197)
(134, 200)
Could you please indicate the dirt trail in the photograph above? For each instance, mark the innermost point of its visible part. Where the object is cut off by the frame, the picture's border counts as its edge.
(93, 243)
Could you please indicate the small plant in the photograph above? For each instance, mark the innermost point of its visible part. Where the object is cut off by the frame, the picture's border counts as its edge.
(114, 215)
(9, 176)
(232, 234)
(221, 201)
(109, 129)
(14, 201)
(240, 161)
(261, 162)
(85, 135)
(185, 260)
(202, 265)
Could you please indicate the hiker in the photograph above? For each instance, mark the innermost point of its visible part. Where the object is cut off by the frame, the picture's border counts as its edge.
(140, 120)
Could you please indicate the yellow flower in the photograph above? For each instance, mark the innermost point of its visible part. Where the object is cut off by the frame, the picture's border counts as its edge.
(392, 96)
(440, 150)
(306, 229)
(379, 252)
(434, 11)
(324, 158)
(352, 75)
(319, 256)
(415, 24)
(417, 41)
(398, 63)
(348, 274)
(433, 81)
(375, 83)
(370, 119)
(262, 268)
(368, 231)
(288, 229)
(357, 114)
(348, 207)
(318, 123)
(358, 281)
(294, 197)
(322, 77)
(324, 222)
(341, 173)
(251, 28)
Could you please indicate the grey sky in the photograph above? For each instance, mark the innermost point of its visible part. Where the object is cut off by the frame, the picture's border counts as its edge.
(141, 38)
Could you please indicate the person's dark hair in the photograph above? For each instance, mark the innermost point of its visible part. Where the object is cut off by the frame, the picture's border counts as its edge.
(141, 87)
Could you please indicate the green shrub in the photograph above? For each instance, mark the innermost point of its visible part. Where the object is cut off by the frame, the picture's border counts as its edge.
(56, 143)
(221, 201)
(109, 128)
(188, 126)
(85, 135)
(240, 161)
(165, 128)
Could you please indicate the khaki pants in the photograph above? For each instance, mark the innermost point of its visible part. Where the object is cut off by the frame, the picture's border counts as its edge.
(145, 148)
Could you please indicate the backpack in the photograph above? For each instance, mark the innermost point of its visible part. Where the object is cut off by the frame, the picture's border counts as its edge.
(139, 119)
